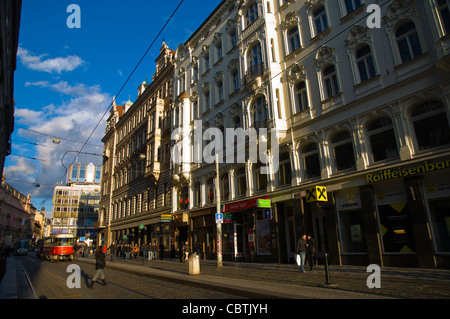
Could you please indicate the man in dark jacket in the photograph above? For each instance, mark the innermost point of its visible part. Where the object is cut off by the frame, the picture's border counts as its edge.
(100, 264)
(301, 250)
(311, 251)
(112, 249)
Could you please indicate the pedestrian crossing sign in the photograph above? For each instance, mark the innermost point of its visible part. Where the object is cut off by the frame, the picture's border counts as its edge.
(316, 194)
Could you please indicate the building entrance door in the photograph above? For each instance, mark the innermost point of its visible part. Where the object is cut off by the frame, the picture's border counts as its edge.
(238, 241)
(290, 234)
(320, 233)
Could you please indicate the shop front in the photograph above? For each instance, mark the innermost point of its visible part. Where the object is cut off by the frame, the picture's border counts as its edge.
(249, 233)
(203, 233)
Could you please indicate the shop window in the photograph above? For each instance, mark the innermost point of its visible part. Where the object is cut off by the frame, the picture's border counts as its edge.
(382, 139)
(351, 227)
(364, 61)
(284, 170)
(440, 216)
(408, 42)
(311, 161)
(344, 155)
(430, 125)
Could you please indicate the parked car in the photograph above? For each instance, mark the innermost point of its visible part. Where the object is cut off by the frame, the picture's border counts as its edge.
(21, 252)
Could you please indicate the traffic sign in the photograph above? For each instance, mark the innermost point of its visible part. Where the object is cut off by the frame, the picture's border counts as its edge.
(219, 218)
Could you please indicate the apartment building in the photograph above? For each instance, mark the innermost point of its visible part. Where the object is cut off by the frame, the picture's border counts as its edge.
(361, 114)
(136, 185)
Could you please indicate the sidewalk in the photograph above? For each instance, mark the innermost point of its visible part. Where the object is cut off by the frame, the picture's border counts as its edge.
(257, 280)
(8, 286)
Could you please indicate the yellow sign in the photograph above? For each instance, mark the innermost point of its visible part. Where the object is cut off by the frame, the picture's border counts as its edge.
(316, 194)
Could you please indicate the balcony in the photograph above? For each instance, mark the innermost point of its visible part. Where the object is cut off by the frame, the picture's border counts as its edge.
(254, 72)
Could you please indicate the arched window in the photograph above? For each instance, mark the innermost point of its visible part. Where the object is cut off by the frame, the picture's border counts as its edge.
(330, 82)
(382, 139)
(366, 66)
(342, 146)
(408, 41)
(430, 125)
(311, 161)
(444, 12)
(294, 39)
(301, 95)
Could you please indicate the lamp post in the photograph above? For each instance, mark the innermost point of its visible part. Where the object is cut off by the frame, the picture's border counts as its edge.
(218, 221)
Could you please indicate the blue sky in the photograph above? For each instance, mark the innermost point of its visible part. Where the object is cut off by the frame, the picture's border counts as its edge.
(66, 78)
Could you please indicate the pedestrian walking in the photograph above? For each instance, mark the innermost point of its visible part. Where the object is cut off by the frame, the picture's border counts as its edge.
(301, 250)
(135, 250)
(100, 264)
(186, 251)
(112, 250)
(161, 250)
(154, 249)
(310, 251)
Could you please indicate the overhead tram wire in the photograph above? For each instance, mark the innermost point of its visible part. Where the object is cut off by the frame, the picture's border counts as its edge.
(118, 93)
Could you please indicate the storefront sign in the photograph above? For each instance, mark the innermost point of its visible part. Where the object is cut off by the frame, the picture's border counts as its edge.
(263, 203)
(247, 204)
(166, 218)
(398, 172)
(316, 194)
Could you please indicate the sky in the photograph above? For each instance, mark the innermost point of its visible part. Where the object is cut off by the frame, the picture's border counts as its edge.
(66, 78)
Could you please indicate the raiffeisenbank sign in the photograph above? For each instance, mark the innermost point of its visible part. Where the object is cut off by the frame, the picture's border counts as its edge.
(398, 172)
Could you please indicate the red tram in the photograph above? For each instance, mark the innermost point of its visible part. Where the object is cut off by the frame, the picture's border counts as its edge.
(57, 247)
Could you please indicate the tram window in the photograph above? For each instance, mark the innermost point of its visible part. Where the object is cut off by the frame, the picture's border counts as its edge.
(63, 242)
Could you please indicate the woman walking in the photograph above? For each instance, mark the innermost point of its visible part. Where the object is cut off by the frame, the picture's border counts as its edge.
(99, 266)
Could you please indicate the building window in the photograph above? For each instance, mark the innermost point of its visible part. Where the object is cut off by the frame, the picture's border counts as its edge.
(320, 20)
(430, 125)
(301, 95)
(311, 161)
(252, 14)
(183, 202)
(330, 81)
(294, 39)
(382, 139)
(225, 187)
(261, 179)
(408, 42)
(444, 13)
(197, 197)
(211, 191)
(234, 38)
(366, 66)
(284, 170)
(352, 5)
(241, 182)
(236, 80)
(259, 112)
(342, 146)
(255, 64)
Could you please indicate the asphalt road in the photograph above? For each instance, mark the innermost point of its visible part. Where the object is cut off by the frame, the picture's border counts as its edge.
(40, 279)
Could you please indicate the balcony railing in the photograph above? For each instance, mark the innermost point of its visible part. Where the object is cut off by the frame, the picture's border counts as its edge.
(254, 71)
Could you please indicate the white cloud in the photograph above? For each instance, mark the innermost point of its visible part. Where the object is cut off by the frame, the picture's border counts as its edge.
(55, 65)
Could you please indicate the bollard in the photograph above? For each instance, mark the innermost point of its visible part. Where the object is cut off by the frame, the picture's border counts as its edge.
(327, 274)
(194, 265)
